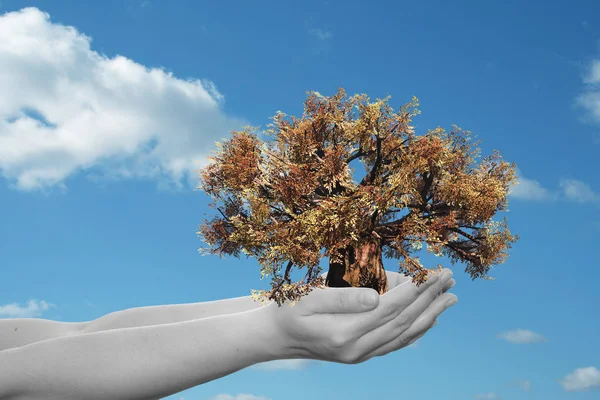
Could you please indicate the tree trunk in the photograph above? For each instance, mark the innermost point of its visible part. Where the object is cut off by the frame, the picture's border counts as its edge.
(361, 267)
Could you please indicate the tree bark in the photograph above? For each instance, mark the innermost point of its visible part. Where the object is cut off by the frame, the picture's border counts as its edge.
(361, 267)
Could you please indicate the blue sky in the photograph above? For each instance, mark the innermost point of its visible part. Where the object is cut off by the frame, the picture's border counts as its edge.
(107, 108)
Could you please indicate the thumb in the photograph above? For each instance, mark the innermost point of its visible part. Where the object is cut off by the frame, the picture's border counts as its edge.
(343, 300)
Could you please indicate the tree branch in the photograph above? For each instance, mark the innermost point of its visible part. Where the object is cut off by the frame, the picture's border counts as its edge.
(428, 180)
(389, 230)
(466, 255)
(370, 177)
(465, 234)
(358, 153)
(226, 217)
(393, 210)
(393, 128)
(288, 269)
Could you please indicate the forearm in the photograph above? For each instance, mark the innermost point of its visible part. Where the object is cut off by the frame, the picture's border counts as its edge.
(139, 363)
(166, 314)
(23, 331)
(16, 332)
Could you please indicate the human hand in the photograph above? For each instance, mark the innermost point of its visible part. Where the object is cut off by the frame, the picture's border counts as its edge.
(332, 324)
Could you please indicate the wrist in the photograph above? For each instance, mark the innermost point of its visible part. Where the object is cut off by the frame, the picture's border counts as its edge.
(264, 335)
(284, 346)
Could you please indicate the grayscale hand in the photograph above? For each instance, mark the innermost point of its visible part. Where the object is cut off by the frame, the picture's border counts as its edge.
(334, 324)
(179, 346)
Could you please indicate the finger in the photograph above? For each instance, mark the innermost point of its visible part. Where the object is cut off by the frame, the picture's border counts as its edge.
(428, 319)
(401, 309)
(395, 279)
(340, 300)
(415, 332)
(393, 304)
(449, 285)
(421, 335)
(356, 300)
(418, 329)
(421, 304)
(421, 297)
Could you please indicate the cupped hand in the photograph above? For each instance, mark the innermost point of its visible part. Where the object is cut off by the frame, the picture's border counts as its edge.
(340, 325)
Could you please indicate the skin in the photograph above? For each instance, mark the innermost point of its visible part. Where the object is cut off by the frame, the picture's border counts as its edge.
(181, 346)
(322, 330)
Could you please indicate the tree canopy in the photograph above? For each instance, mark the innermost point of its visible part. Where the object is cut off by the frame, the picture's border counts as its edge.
(287, 200)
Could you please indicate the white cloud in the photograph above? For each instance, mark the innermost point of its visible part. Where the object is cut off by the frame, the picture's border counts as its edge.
(487, 396)
(528, 189)
(578, 191)
(65, 108)
(33, 308)
(581, 379)
(571, 189)
(242, 396)
(283, 365)
(589, 99)
(520, 336)
(593, 75)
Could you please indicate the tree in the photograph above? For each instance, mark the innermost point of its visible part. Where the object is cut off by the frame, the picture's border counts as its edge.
(287, 200)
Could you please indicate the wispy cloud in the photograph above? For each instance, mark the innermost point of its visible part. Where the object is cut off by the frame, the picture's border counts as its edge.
(578, 191)
(568, 189)
(64, 108)
(322, 37)
(486, 396)
(589, 98)
(284, 365)
(529, 189)
(33, 308)
(582, 379)
(243, 396)
(593, 74)
(320, 34)
(521, 336)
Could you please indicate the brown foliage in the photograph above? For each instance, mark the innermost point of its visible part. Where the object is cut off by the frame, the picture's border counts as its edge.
(286, 200)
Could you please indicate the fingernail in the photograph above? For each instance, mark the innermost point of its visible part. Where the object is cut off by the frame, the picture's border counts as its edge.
(451, 302)
(368, 299)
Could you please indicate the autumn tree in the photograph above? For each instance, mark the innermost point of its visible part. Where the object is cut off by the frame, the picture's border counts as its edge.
(286, 201)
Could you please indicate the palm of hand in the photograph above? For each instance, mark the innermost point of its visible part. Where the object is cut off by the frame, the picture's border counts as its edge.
(332, 324)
